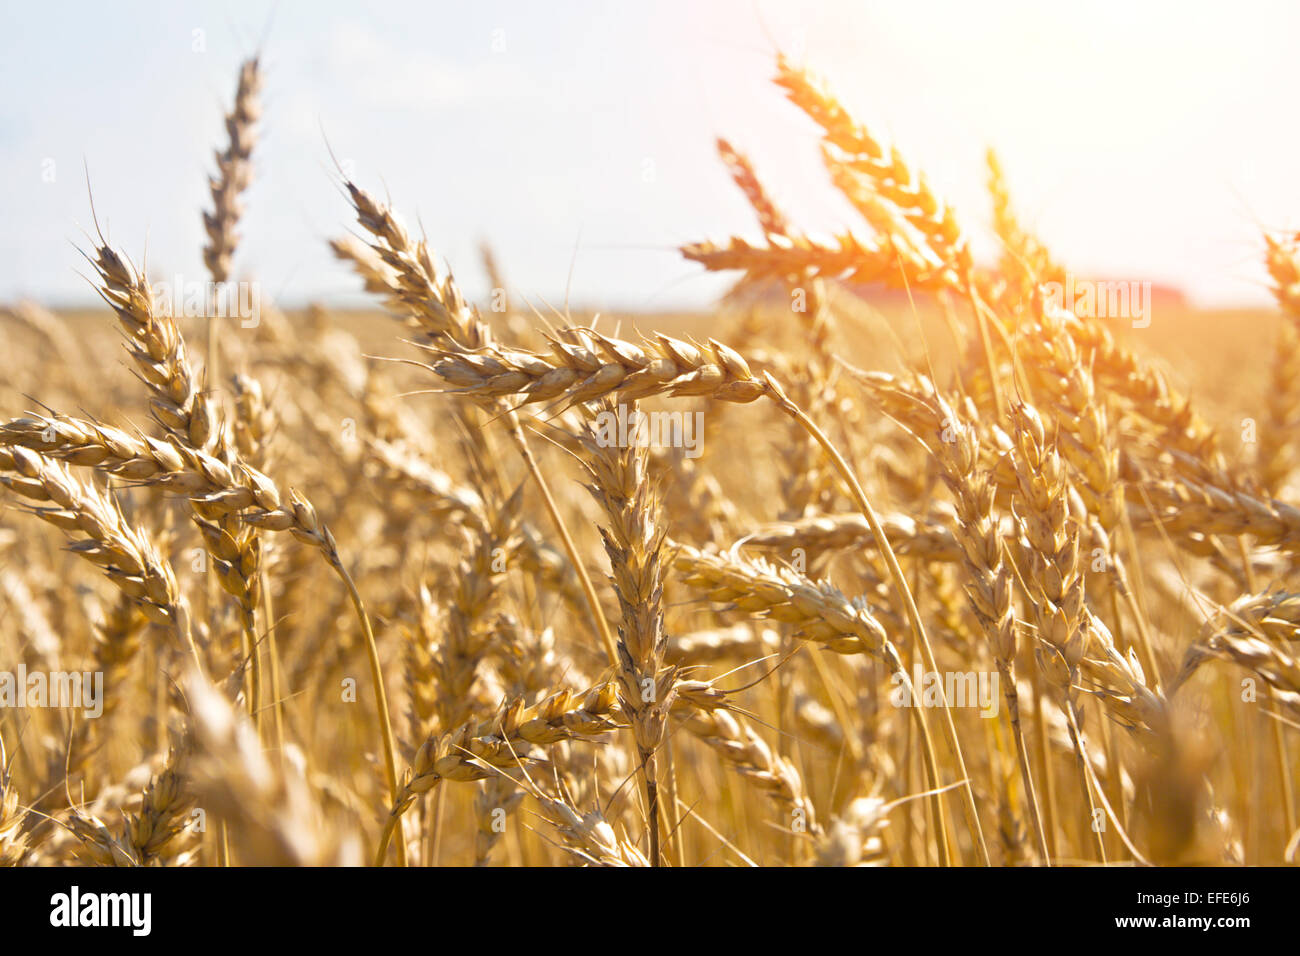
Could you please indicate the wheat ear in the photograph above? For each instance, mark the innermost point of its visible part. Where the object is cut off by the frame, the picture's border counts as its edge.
(633, 534)
(234, 173)
(103, 537)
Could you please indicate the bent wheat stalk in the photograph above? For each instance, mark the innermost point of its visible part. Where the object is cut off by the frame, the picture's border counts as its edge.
(125, 554)
(238, 491)
(404, 271)
(584, 365)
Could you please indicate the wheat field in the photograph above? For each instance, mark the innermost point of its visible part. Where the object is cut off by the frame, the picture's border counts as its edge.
(899, 557)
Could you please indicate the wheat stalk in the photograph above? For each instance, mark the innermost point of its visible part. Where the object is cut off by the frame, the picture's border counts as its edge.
(102, 536)
(234, 173)
(633, 535)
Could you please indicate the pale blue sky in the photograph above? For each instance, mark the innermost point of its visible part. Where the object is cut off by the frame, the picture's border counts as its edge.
(1147, 140)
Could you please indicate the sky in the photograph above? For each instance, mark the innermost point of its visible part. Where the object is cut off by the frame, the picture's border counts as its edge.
(1141, 139)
